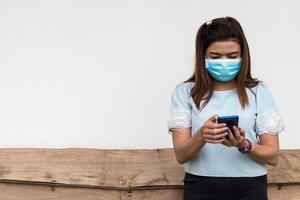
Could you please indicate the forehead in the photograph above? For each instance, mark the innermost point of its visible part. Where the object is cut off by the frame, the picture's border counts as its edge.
(224, 46)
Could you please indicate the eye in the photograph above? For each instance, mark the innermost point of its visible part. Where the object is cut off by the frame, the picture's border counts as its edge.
(214, 57)
(232, 56)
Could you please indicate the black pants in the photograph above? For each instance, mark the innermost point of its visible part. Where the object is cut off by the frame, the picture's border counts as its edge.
(224, 188)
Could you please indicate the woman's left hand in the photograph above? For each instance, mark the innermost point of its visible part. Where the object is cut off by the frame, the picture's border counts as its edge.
(236, 139)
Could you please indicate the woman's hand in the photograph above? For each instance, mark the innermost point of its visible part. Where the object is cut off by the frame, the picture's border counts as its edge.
(213, 132)
(236, 139)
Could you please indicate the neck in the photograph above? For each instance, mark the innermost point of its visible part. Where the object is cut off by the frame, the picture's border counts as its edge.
(220, 86)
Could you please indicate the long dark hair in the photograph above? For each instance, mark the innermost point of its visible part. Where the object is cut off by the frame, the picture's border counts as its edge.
(220, 29)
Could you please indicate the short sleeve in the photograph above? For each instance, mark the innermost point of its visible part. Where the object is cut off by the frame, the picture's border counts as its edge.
(268, 119)
(180, 112)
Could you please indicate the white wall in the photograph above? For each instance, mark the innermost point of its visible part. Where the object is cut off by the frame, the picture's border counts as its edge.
(99, 74)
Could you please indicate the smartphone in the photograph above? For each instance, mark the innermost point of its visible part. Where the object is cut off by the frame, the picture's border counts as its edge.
(230, 121)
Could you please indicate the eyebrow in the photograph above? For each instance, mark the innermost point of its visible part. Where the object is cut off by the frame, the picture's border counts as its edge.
(211, 52)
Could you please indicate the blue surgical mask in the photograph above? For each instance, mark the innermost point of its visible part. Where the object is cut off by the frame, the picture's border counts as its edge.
(223, 69)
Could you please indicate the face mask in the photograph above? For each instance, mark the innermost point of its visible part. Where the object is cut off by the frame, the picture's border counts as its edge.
(223, 69)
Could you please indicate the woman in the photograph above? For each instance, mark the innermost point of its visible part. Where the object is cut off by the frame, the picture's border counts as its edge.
(219, 162)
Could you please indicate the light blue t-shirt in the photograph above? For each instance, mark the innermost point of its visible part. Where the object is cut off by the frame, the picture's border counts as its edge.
(260, 117)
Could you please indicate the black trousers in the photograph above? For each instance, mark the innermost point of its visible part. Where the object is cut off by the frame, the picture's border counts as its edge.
(224, 188)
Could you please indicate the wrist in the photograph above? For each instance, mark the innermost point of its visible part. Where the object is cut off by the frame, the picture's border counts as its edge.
(199, 135)
(243, 145)
(247, 147)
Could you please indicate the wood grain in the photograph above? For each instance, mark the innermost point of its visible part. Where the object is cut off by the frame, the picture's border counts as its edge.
(81, 173)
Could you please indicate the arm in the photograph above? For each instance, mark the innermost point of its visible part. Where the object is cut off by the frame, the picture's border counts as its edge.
(186, 146)
(267, 151)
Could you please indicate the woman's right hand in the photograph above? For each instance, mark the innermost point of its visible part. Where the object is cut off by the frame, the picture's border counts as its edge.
(213, 132)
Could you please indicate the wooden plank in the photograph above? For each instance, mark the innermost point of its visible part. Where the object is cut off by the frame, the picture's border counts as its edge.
(114, 169)
(36, 192)
(163, 194)
(288, 168)
(287, 192)
(92, 167)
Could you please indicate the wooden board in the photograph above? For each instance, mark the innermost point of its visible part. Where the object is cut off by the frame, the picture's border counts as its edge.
(36, 192)
(287, 192)
(288, 168)
(80, 173)
(92, 167)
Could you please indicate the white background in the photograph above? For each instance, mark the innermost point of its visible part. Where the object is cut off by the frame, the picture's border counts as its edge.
(99, 74)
